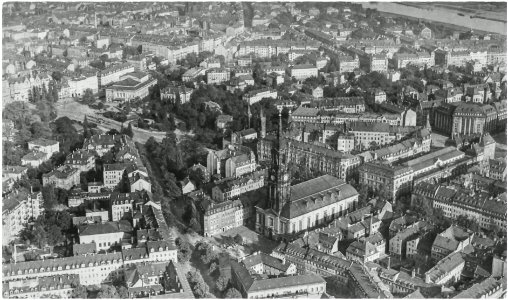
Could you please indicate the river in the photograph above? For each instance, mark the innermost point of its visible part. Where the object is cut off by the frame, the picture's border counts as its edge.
(440, 14)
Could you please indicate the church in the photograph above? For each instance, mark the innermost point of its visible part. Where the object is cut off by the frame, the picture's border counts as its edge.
(292, 209)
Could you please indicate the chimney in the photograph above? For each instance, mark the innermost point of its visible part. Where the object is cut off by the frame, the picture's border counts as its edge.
(413, 273)
(388, 264)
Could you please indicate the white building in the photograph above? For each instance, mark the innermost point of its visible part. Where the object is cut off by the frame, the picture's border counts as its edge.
(18, 208)
(302, 72)
(256, 96)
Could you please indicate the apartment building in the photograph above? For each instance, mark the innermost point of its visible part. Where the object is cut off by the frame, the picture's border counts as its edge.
(13, 172)
(399, 243)
(175, 53)
(122, 204)
(315, 115)
(302, 72)
(218, 217)
(18, 208)
(83, 160)
(350, 105)
(113, 73)
(348, 64)
(64, 177)
(310, 285)
(488, 288)
(181, 94)
(368, 134)
(268, 48)
(18, 89)
(113, 173)
(60, 286)
(217, 76)
(396, 180)
(79, 84)
(193, 73)
(447, 270)
(102, 143)
(232, 188)
(402, 60)
(257, 95)
(233, 161)
(456, 201)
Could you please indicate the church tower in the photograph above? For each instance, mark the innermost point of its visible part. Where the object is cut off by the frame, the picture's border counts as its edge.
(249, 115)
(263, 123)
(279, 183)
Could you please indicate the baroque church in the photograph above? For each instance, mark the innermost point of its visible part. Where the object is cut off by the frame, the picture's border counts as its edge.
(293, 209)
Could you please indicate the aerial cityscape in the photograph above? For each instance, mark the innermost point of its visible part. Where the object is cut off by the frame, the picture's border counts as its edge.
(254, 150)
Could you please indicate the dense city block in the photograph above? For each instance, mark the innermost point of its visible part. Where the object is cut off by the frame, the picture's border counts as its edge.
(254, 150)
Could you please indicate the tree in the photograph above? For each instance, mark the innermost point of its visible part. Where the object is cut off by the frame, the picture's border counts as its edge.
(122, 291)
(198, 285)
(213, 267)
(41, 130)
(198, 176)
(79, 292)
(67, 135)
(222, 283)
(127, 131)
(88, 97)
(184, 250)
(49, 196)
(56, 75)
(239, 239)
(107, 292)
(55, 236)
(19, 113)
(86, 128)
(233, 293)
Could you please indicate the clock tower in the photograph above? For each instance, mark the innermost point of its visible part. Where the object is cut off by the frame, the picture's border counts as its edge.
(279, 183)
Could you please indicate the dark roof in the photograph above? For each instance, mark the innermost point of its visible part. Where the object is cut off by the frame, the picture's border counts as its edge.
(282, 282)
(310, 195)
(263, 258)
(43, 142)
(105, 228)
(80, 249)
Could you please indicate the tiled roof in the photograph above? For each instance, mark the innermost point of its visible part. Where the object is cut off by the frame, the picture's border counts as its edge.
(284, 282)
(445, 266)
(80, 249)
(35, 155)
(13, 169)
(61, 262)
(105, 228)
(305, 112)
(310, 195)
(482, 289)
(263, 258)
(62, 172)
(43, 142)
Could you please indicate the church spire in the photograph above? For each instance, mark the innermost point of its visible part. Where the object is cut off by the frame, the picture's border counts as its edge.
(263, 123)
(427, 124)
(279, 135)
(249, 115)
